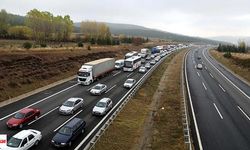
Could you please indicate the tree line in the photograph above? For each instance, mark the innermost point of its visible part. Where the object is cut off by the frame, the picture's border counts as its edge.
(41, 26)
(241, 48)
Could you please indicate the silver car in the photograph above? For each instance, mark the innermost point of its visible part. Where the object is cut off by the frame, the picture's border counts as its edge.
(148, 66)
(71, 105)
(142, 69)
(129, 83)
(98, 89)
(102, 107)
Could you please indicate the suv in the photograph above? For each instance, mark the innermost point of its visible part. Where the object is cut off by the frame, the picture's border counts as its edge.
(24, 140)
(102, 107)
(71, 105)
(69, 132)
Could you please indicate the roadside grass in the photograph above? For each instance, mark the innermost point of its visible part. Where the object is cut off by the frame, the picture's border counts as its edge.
(127, 129)
(239, 63)
(168, 129)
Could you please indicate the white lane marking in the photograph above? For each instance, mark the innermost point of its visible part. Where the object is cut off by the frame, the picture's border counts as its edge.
(110, 89)
(226, 77)
(211, 75)
(222, 88)
(67, 121)
(198, 74)
(193, 62)
(116, 73)
(43, 115)
(90, 88)
(39, 101)
(205, 67)
(218, 111)
(195, 66)
(243, 112)
(130, 74)
(192, 107)
(204, 85)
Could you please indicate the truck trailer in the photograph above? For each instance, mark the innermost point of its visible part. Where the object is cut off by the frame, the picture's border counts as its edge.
(93, 70)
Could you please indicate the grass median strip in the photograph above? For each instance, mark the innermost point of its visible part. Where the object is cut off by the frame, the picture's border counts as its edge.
(128, 129)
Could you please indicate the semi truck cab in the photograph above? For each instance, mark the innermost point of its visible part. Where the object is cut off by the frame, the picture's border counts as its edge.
(85, 75)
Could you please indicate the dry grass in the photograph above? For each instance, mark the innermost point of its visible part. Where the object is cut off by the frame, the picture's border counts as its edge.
(168, 130)
(239, 63)
(127, 129)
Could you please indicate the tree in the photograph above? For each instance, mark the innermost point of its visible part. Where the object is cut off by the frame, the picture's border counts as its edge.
(241, 46)
(20, 32)
(3, 23)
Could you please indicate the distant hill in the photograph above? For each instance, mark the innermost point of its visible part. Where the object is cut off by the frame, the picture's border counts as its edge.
(135, 30)
(232, 39)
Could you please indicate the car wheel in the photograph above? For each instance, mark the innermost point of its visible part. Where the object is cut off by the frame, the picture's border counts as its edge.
(37, 142)
(36, 117)
(21, 126)
(70, 144)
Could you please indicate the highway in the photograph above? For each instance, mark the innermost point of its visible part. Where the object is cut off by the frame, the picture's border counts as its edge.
(221, 104)
(48, 102)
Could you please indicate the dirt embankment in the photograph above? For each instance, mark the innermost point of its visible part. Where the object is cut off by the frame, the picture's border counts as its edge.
(23, 71)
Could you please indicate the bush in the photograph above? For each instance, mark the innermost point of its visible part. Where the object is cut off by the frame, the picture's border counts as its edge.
(227, 55)
(80, 44)
(43, 45)
(27, 45)
(89, 48)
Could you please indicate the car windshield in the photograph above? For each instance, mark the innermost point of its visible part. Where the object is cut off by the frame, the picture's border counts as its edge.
(143, 68)
(101, 104)
(83, 74)
(65, 131)
(117, 64)
(130, 81)
(68, 103)
(14, 142)
(97, 87)
(128, 63)
(19, 115)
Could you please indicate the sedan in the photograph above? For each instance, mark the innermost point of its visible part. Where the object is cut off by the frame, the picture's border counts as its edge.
(142, 69)
(23, 117)
(102, 107)
(98, 89)
(71, 105)
(148, 66)
(152, 62)
(129, 83)
(199, 66)
(24, 140)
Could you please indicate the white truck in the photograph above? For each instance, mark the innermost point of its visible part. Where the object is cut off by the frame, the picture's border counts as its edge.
(91, 71)
(145, 52)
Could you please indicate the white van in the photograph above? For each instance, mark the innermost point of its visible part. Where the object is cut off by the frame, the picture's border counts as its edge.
(119, 64)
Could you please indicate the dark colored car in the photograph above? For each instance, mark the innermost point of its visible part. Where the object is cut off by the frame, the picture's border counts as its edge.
(69, 132)
(23, 117)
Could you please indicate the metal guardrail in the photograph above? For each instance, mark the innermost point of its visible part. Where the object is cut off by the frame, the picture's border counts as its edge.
(96, 137)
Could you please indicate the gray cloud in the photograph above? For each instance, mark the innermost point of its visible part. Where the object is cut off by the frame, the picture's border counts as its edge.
(190, 17)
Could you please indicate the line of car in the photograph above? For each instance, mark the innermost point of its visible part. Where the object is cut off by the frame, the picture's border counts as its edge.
(25, 139)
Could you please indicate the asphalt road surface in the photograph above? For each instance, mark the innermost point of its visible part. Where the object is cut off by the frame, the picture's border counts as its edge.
(221, 103)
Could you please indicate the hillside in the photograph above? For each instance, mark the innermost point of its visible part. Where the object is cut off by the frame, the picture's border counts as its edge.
(135, 30)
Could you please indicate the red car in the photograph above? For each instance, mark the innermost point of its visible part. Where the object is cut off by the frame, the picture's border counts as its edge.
(23, 117)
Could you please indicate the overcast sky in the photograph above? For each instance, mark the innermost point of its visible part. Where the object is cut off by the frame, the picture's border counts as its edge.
(204, 18)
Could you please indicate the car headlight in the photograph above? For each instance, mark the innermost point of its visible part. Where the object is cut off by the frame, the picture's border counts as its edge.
(63, 143)
(52, 141)
(14, 124)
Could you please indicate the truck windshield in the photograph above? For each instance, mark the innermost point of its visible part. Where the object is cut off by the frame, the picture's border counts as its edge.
(128, 64)
(83, 74)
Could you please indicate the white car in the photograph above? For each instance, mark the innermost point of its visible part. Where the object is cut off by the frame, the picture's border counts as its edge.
(71, 105)
(147, 65)
(129, 83)
(152, 62)
(98, 89)
(102, 107)
(24, 140)
(157, 58)
(142, 69)
(199, 66)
